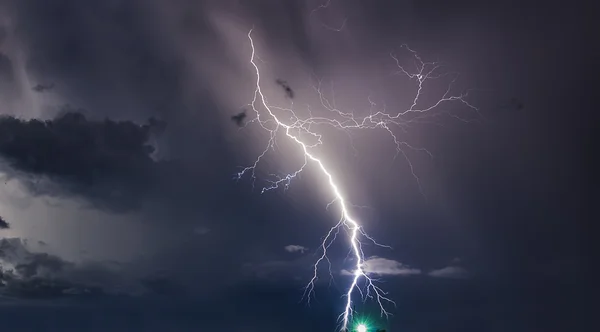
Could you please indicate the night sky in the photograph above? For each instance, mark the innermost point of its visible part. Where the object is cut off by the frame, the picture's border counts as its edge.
(120, 210)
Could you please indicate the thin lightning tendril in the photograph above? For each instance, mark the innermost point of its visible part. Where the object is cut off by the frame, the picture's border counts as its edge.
(380, 119)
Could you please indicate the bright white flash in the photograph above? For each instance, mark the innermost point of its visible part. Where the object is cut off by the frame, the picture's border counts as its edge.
(295, 127)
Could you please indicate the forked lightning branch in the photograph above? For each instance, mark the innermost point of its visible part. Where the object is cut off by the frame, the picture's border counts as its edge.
(294, 128)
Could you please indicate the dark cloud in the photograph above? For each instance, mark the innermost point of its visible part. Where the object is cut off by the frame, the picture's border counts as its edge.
(43, 87)
(26, 275)
(286, 88)
(107, 162)
(239, 118)
(4, 224)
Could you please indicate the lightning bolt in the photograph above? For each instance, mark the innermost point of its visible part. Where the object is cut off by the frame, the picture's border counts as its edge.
(269, 118)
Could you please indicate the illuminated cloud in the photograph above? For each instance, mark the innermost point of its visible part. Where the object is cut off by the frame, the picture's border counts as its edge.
(383, 266)
(451, 272)
(295, 248)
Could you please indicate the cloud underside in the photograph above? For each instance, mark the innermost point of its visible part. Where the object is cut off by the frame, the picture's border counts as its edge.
(108, 163)
(31, 275)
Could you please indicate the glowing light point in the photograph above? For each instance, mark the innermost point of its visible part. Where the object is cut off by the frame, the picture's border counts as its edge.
(361, 328)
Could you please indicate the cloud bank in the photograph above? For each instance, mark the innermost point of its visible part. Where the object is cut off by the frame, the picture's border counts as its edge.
(107, 162)
(27, 274)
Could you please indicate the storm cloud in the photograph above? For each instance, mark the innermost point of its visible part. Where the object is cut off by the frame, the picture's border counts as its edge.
(33, 275)
(106, 162)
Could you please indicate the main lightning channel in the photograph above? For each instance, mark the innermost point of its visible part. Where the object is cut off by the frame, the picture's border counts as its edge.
(377, 119)
(346, 218)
